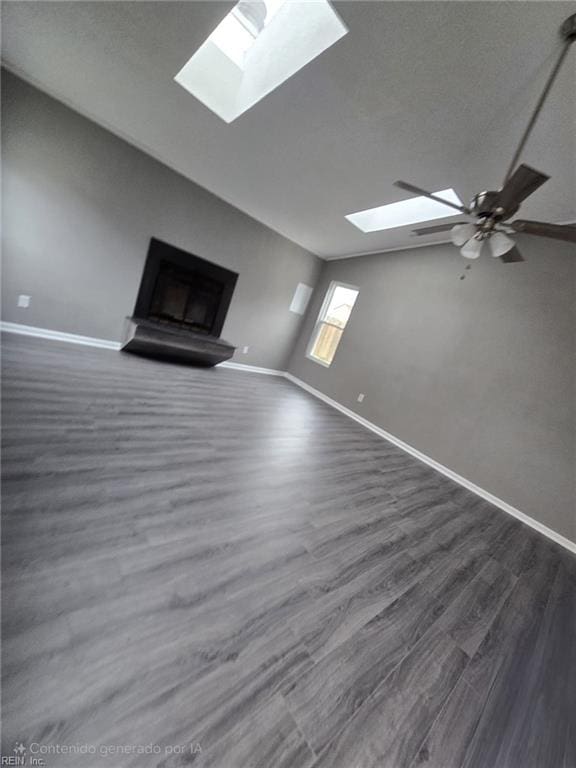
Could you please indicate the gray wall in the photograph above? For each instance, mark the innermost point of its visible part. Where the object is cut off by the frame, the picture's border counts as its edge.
(479, 374)
(80, 206)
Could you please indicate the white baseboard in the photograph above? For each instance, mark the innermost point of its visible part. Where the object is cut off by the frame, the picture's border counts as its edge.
(250, 368)
(43, 333)
(500, 503)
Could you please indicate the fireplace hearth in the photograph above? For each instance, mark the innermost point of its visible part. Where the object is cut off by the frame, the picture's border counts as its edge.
(181, 307)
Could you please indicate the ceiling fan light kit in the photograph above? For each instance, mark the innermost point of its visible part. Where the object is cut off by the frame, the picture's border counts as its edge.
(461, 233)
(492, 209)
(473, 248)
(500, 244)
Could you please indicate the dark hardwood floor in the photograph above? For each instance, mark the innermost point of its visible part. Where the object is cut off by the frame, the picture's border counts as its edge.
(218, 567)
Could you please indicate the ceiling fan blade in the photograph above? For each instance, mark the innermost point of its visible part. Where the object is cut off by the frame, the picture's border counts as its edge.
(523, 182)
(417, 191)
(566, 232)
(512, 256)
(433, 230)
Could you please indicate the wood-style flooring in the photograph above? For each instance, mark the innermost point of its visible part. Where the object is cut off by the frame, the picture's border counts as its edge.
(219, 568)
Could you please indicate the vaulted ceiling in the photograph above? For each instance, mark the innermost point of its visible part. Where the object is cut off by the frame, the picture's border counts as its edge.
(436, 93)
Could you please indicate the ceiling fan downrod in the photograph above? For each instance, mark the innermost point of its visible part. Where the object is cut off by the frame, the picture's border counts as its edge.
(568, 34)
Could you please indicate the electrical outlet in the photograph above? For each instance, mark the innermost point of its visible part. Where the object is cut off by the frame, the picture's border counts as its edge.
(23, 301)
(360, 397)
(245, 350)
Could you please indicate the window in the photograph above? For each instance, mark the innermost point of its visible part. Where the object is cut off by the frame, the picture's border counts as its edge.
(331, 322)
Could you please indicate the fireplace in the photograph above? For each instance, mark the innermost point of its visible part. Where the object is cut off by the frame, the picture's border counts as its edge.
(186, 298)
(181, 307)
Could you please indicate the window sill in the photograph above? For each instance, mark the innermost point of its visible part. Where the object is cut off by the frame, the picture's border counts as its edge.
(317, 360)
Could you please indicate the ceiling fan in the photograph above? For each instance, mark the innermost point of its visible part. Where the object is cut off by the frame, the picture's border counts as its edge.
(491, 210)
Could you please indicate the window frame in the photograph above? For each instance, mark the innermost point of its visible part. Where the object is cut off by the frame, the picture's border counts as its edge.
(320, 321)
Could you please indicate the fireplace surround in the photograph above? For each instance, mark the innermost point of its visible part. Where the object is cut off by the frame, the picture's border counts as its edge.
(181, 307)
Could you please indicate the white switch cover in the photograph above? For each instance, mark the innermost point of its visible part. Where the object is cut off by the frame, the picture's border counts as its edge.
(245, 350)
(361, 397)
(23, 300)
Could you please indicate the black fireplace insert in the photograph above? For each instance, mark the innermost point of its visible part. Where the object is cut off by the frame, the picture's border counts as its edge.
(184, 291)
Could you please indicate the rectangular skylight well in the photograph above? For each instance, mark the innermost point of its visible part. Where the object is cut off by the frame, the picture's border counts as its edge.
(233, 39)
(404, 212)
(238, 30)
(255, 48)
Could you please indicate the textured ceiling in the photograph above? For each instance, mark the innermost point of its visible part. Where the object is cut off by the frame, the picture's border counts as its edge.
(436, 93)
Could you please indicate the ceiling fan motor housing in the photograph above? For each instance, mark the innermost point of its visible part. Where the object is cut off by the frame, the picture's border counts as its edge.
(486, 204)
(568, 28)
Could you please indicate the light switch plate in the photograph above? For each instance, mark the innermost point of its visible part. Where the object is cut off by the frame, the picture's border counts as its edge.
(23, 301)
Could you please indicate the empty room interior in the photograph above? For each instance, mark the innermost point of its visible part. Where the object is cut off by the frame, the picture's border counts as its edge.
(289, 384)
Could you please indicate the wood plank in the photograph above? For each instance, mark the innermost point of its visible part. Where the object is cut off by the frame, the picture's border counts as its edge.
(388, 729)
(209, 556)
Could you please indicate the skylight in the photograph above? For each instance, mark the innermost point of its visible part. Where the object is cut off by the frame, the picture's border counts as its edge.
(237, 32)
(255, 48)
(404, 212)
(233, 38)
